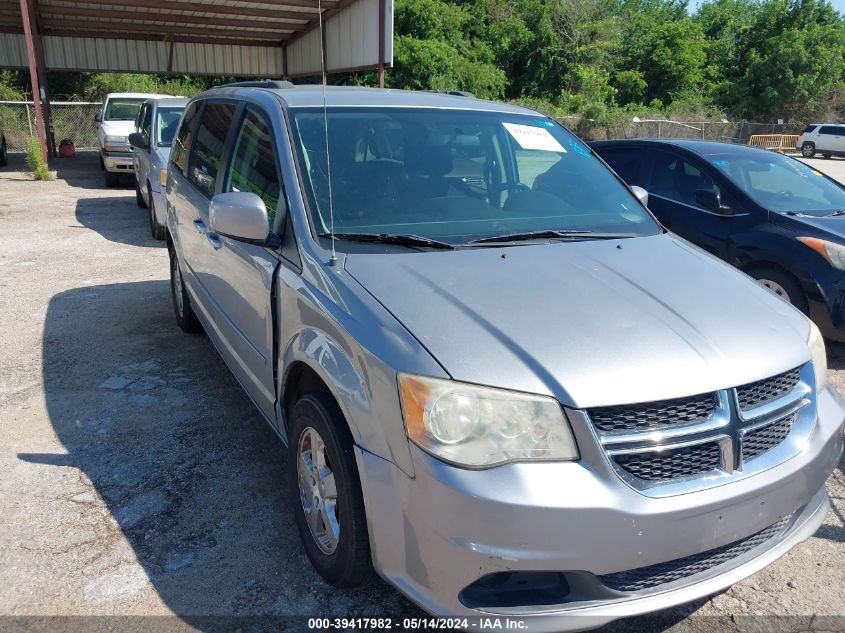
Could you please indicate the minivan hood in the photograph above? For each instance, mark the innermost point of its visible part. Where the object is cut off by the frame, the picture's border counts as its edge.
(118, 128)
(592, 323)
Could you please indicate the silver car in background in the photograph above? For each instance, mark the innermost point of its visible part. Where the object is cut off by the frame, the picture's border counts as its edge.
(155, 128)
(502, 384)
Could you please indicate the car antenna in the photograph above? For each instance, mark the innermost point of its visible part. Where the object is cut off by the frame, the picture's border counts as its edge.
(333, 259)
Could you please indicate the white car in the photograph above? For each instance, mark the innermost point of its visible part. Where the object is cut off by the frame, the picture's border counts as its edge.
(117, 121)
(827, 139)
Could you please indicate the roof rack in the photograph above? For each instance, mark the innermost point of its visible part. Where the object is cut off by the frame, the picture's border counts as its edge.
(272, 84)
(454, 93)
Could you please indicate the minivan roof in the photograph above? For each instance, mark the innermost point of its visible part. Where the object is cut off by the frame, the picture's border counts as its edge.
(311, 95)
(170, 101)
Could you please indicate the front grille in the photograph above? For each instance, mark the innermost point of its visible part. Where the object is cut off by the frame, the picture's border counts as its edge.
(758, 441)
(654, 415)
(663, 573)
(671, 464)
(756, 393)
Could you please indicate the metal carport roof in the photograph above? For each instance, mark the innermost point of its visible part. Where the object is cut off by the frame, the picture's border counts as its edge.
(266, 38)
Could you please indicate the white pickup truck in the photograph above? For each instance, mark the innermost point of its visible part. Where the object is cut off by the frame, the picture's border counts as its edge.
(117, 122)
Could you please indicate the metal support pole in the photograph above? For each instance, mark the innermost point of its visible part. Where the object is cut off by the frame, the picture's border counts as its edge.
(381, 17)
(33, 77)
(42, 79)
(285, 62)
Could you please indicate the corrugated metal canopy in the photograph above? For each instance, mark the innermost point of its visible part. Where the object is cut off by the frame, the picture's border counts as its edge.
(271, 38)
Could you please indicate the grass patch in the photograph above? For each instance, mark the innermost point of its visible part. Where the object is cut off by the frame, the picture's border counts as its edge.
(36, 163)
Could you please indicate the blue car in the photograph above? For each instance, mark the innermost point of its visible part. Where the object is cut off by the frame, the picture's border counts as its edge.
(773, 217)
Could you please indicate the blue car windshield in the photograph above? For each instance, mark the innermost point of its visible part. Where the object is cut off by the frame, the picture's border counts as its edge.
(780, 183)
(457, 175)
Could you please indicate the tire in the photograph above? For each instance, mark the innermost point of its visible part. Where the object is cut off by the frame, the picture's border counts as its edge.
(112, 179)
(808, 150)
(186, 318)
(139, 196)
(4, 155)
(345, 562)
(783, 285)
(102, 163)
(827, 154)
(156, 229)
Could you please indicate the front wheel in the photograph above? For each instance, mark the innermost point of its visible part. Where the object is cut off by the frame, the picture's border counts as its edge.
(808, 150)
(186, 318)
(156, 229)
(325, 487)
(783, 285)
(4, 156)
(139, 196)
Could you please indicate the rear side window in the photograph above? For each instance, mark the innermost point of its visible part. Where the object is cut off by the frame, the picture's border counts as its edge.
(829, 129)
(253, 166)
(625, 162)
(809, 129)
(208, 146)
(179, 153)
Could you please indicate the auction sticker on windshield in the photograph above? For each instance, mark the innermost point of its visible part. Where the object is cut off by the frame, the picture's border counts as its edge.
(530, 137)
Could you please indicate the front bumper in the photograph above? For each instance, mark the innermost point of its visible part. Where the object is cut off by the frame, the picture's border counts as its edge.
(120, 162)
(827, 306)
(437, 533)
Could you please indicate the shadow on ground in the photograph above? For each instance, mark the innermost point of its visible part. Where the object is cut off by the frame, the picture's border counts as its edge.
(118, 219)
(188, 470)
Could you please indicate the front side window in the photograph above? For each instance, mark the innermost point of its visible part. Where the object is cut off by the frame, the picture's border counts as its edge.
(182, 144)
(677, 179)
(253, 167)
(165, 127)
(208, 146)
(780, 183)
(456, 175)
(122, 109)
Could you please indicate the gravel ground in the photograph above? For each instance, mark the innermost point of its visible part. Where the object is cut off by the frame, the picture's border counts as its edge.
(136, 479)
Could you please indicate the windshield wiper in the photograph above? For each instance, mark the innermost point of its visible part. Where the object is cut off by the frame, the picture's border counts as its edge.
(400, 239)
(550, 234)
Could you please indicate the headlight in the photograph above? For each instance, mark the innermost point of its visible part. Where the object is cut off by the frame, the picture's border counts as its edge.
(816, 343)
(116, 139)
(834, 253)
(481, 427)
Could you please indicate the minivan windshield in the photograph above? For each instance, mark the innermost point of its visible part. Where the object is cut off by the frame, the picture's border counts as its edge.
(123, 109)
(458, 176)
(167, 120)
(784, 184)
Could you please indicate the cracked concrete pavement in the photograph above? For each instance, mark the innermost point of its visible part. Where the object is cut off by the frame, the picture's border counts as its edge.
(136, 478)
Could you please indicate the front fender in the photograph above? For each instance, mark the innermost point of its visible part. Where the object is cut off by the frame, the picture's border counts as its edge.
(364, 388)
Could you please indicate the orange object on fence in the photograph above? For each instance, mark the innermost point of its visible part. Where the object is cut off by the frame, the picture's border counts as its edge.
(776, 142)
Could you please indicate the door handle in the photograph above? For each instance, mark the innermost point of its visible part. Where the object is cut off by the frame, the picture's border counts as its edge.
(214, 239)
(199, 225)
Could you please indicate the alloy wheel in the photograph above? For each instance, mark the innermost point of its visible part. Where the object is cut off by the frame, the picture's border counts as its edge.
(776, 288)
(317, 490)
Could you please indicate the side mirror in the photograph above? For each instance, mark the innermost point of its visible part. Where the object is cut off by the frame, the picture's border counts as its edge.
(242, 216)
(136, 140)
(642, 195)
(98, 117)
(711, 201)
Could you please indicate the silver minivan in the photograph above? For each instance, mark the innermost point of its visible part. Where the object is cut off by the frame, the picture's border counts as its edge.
(155, 128)
(502, 384)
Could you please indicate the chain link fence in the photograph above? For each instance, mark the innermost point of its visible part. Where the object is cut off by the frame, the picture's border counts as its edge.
(725, 131)
(71, 119)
